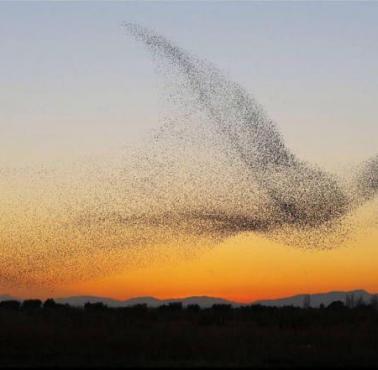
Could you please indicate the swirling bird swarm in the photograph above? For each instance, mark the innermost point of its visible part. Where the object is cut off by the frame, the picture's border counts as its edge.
(218, 167)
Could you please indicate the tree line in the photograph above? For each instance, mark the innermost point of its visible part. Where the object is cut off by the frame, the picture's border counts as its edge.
(36, 333)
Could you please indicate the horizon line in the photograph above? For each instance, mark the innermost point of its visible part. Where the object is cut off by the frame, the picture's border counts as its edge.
(187, 297)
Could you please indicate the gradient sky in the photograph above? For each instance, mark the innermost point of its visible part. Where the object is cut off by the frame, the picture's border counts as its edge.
(70, 76)
(73, 84)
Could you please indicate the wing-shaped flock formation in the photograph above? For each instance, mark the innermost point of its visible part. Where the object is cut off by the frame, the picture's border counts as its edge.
(217, 167)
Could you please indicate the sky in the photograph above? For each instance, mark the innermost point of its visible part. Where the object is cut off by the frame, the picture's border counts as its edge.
(73, 85)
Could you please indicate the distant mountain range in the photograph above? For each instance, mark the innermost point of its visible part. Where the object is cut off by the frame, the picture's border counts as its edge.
(315, 300)
(204, 302)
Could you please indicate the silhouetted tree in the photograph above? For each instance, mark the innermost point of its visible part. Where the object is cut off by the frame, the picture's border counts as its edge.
(173, 306)
(10, 305)
(360, 301)
(139, 307)
(194, 308)
(349, 300)
(307, 301)
(336, 305)
(49, 303)
(31, 304)
(374, 301)
(221, 307)
(95, 307)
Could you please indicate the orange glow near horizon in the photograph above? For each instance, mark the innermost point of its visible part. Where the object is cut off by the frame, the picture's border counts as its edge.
(243, 268)
(247, 269)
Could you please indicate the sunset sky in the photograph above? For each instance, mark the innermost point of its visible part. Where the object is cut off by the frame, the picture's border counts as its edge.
(75, 90)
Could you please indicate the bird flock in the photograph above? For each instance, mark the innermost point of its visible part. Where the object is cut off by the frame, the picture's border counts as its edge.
(217, 167)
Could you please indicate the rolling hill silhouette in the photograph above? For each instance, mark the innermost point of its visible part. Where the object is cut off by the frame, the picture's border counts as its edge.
(206, 302)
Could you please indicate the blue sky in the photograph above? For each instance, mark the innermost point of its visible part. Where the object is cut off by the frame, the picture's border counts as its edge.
(72, 83)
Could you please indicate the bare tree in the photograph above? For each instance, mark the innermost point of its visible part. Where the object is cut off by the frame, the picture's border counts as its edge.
(374, 301)
(307, 301)
(349, 300)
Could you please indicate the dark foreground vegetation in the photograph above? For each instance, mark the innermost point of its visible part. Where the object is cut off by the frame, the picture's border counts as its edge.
(42, 334)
